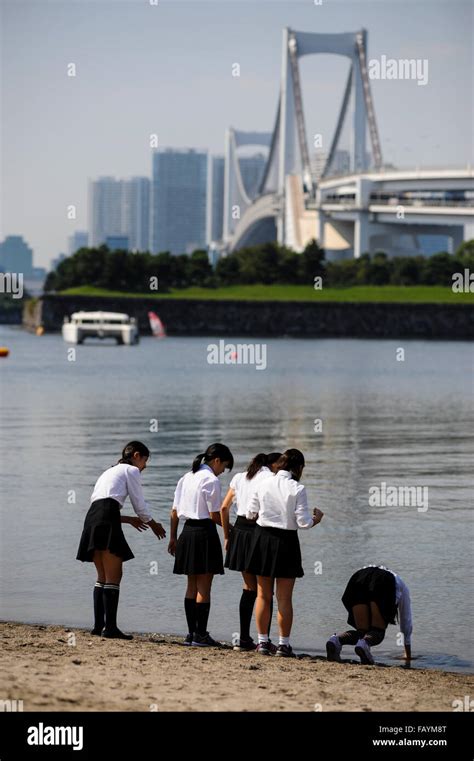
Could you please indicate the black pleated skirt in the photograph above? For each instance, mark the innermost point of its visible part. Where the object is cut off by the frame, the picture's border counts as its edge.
(275, 552)
(198, 549)
(103, 531)
(371, 585)
(240, 542)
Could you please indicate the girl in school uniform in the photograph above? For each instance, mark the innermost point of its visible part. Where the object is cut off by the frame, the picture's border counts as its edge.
(374, 597)
(103, 542)
(238, 538)
(198, 551)
(280, 506)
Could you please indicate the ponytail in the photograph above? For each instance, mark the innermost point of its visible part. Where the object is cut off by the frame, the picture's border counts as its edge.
(293, 461)
(129, 450)
(213, 451)
(197, 462)
(254, 466)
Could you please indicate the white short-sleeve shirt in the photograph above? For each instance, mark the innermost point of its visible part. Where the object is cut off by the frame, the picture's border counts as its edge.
(281, 502)
(244, 488)
(198, 494)
(119, 482)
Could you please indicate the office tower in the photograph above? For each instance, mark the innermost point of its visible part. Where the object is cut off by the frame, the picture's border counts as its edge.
(16, 256)
(251, 169)
(136, 212)
(79, 239)
(117, 242)
(119, 208)
(216, 200)
(179, 188)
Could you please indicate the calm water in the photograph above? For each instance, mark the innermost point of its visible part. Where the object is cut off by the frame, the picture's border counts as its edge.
(405, 423)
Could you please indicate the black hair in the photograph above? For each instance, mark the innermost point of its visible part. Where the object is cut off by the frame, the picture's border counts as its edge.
(129, 450)
(272, 458)
(292, 460)
(214, 450)
(254, 465)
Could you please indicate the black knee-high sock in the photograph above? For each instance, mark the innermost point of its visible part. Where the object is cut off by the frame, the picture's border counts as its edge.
(350, 637)
(374, 636)
(111, 600)
(202, 617)
(190, 610)
(247, 603)
(99, 606)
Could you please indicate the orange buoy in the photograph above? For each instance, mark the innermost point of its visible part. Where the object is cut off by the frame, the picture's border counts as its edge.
(4, 352)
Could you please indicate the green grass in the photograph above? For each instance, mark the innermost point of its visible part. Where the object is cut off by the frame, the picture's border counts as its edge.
(422, 294)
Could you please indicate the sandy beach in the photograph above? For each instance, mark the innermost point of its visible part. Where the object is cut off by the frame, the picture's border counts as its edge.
(53, 668)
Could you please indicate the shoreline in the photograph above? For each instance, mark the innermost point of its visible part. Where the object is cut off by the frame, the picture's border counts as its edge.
(62, 668)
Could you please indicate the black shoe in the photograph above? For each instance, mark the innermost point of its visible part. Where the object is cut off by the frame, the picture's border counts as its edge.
(285, 651)
(204, 640)
(116, 634)
(245, 645)
(96, 632)
(188, 640)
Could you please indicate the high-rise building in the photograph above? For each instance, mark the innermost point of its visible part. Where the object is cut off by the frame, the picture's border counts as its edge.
(105, 209)
(179, 189)
(16, 256)
(251, 169)
(215, 206)
(79, 239)
(117, 242)
(120, 208)
(136, 211)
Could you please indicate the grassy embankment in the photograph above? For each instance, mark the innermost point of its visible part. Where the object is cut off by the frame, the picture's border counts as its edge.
(417, 294)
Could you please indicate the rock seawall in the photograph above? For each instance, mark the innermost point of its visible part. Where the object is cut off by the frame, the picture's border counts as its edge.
(193, 317)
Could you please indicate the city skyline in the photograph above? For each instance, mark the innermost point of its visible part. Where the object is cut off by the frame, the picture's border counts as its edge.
(100, 122)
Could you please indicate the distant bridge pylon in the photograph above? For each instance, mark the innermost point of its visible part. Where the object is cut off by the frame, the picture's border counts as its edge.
(288, 182)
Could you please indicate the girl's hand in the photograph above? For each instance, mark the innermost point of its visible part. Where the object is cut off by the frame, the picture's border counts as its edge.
(138, 523)
(226, 544)
(317, 516)
(158, 529)
(172, 547)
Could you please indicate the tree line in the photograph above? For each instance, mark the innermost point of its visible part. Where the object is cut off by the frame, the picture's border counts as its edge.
(268, 264)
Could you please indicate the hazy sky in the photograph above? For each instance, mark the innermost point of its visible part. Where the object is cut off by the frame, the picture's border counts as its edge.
(167, 69)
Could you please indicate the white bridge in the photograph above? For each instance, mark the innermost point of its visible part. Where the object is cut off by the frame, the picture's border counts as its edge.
(369, 209)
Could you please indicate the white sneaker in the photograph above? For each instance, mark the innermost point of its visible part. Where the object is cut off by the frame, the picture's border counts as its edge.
(363, 651)
(333, 648)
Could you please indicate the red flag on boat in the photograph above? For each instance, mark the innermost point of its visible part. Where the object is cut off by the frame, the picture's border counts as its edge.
(157, 327)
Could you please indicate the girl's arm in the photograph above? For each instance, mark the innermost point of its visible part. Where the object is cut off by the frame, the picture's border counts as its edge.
(135, 521)
(135, 492)
(174, 521)
(225, 512)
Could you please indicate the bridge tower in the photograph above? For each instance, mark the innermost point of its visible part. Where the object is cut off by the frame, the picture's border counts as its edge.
(288, 178)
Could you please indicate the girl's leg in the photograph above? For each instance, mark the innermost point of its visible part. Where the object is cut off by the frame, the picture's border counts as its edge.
(99, 614)
(190, 604)
(284, 595)
(361, 615)
(113, 575)
(377, 629)
(203, 601)
(262, 613)
(247, 603)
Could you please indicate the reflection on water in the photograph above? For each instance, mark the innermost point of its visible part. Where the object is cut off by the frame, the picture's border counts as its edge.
(405, 423)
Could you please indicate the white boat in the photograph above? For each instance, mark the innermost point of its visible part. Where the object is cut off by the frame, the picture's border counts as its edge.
(81, 325)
